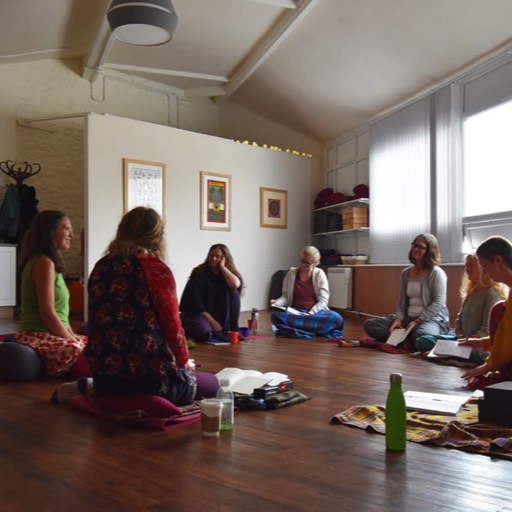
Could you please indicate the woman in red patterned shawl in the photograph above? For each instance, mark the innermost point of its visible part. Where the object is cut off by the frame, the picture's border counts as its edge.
(136, 341)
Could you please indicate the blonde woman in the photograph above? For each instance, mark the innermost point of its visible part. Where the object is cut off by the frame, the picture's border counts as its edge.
(495, 257)
(478, 293)
(306, 290)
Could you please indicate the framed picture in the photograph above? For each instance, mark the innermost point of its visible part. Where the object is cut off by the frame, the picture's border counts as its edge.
(144, 185)
(215, 201)
(273, 208)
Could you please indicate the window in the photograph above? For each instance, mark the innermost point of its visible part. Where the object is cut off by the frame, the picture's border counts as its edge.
(487, 162)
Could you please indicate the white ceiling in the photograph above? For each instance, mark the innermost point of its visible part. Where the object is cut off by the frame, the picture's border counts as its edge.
(321, 67)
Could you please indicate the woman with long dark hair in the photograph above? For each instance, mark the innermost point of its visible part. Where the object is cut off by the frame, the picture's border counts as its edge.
(210, 303)
(45, 325)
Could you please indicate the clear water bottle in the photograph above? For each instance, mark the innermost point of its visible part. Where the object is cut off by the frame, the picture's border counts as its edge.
(396, 417)
(255, 320)
(225, 395)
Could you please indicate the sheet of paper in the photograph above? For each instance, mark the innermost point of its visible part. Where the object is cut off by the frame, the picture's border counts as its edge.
(289, 309)
(450, 348)
(434, 402)
(397, 336)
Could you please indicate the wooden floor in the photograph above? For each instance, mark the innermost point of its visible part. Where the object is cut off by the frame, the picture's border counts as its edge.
(293, 459)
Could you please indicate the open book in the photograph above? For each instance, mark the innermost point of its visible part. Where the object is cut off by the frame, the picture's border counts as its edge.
(398, 335)
(450, 348)
(245, 381)
(434, 403)
(288, 309)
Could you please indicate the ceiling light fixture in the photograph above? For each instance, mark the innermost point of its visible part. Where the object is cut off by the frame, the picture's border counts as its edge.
(142, 22)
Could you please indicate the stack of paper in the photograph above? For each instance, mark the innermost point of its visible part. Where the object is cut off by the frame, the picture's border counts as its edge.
(434, 402)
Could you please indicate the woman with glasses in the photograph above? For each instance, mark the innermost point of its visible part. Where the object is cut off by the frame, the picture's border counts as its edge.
(422, 301)
(303, 304)
(45, 326)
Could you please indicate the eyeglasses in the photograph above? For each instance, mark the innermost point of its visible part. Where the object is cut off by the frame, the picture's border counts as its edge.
(306, 262)
(419, 247)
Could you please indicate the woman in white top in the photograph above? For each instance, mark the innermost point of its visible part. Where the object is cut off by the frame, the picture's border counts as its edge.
(306, 291)
(422, 301)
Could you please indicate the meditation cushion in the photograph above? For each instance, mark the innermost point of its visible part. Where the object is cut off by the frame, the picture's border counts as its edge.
(151, 404)
(19, 362)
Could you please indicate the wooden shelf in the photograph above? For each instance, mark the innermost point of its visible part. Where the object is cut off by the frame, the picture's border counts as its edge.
(346, 204)
(355, 231)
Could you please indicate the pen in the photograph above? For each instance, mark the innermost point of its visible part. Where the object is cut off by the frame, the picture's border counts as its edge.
(473, 331)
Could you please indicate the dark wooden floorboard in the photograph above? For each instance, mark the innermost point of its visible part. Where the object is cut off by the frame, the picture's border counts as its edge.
(293, 459)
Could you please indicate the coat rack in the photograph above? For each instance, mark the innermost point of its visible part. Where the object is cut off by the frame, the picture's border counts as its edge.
(19, 172)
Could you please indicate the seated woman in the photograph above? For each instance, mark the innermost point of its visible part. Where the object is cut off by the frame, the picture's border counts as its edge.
(45, 324)
(306, 289)
(495, 256)
(210, 303)
(478, 293)
(422, 302)
(136, 342)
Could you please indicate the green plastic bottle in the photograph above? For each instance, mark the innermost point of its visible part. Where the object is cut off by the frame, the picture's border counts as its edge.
(396, 418)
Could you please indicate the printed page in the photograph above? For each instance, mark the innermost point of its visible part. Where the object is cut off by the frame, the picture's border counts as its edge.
(276, 378)
(397, 336)
(232, 374)
(247, 385)
(289, 309)
(434, 402)
(243, 381)
(450, 348)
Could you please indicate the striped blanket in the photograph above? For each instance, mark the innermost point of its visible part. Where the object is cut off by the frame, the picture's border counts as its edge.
(462, 431)
(325, 323)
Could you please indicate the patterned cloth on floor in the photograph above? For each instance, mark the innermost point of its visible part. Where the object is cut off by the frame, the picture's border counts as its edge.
(325, 323)
(462, 431)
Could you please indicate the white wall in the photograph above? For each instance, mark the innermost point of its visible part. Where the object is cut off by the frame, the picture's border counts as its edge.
(49, 88)
(258, 251)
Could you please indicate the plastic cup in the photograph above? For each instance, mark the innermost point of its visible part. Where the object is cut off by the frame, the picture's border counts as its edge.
(233, 336)
(210, 416)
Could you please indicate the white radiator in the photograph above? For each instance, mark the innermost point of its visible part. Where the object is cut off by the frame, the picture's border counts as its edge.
(340, 287)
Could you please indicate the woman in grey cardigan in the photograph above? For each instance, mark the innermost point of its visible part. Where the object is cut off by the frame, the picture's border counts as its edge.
(422, 301)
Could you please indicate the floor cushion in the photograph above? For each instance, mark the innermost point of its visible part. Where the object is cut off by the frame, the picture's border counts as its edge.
(19, 362)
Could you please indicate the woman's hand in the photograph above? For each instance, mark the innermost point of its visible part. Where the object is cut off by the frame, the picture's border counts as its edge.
(473, 342)
(396, 324)
(216, 327)
(475, 372)
(414, 323)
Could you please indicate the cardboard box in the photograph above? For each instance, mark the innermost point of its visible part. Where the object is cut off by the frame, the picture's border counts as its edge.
(355, 212)
(355, 225)
(355, 217)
